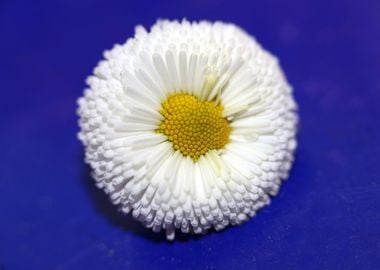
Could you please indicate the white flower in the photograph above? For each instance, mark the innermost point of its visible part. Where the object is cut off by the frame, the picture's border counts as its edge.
(190, 126)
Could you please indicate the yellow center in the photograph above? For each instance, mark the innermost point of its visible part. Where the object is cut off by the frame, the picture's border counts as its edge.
(193, 126)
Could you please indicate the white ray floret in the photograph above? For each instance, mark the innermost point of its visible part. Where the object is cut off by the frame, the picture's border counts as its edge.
(139, 167)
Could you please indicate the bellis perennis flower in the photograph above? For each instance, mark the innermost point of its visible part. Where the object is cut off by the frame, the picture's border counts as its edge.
(190, 126)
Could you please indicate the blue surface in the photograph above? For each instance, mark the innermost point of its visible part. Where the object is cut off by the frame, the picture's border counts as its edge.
(325, 217)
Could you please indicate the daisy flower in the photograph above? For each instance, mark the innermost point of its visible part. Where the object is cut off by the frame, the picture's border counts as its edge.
(189, 126)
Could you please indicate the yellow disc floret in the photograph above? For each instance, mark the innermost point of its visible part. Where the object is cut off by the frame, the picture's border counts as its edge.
(193, 126)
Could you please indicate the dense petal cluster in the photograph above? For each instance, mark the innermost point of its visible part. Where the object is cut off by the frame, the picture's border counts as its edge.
(135, 156)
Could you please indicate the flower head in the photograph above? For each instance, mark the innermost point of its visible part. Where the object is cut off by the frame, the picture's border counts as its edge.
(190, 126)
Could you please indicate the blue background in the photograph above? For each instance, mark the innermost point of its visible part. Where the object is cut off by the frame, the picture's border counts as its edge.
(325, 217)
